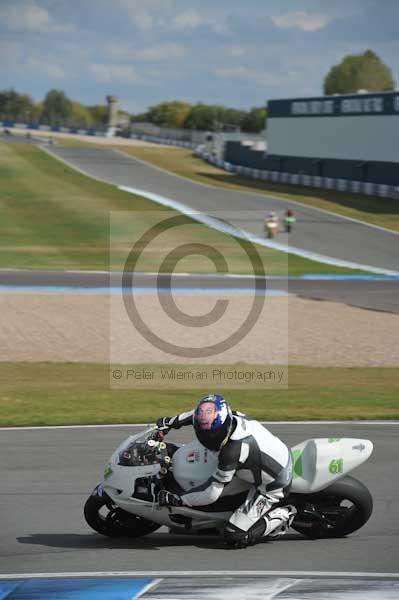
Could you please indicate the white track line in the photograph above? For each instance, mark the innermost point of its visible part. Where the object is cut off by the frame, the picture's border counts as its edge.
(259, 194)
(271, 423)
(149, 273)
(192, 275)
(148, 588)
(217, 225)
(303, 574)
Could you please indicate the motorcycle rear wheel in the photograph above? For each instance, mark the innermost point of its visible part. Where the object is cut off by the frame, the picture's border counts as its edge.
(113, 521)
(343, 507)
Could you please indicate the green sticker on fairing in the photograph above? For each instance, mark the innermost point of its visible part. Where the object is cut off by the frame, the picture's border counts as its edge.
(332, 440)
(336, 466)
(108, 472)
(297, 458)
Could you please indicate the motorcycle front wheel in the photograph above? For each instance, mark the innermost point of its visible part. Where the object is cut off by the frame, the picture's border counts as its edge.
(108, 519)
(339, 510)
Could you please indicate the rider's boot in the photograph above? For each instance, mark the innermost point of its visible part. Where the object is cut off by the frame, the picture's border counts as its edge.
(274, 524)
(237, 538)
(279, 520)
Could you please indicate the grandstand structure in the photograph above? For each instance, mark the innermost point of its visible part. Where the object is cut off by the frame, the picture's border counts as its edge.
(341, 141)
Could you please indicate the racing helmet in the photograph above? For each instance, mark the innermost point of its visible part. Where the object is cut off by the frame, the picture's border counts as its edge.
(213, 421)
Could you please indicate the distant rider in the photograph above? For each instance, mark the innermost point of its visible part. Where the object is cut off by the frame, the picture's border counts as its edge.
(271, 224)
(248, 451)
(289, 220)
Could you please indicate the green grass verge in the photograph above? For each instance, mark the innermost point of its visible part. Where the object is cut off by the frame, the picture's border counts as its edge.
(370, 209)
(53, 217)
(62, 394)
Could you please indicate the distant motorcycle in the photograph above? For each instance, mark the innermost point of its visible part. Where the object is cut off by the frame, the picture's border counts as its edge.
(271, 226)
(289, 220)
(329, 502)
(271, 229)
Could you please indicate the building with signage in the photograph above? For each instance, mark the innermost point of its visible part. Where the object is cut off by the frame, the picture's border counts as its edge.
(353, 137)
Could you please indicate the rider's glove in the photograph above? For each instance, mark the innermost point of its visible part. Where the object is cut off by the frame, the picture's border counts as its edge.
(163, 424)
(166, 498)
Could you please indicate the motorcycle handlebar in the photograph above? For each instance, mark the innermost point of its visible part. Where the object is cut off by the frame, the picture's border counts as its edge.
(158, 435)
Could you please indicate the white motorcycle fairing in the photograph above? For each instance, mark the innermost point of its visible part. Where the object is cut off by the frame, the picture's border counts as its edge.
(120, 484)
(317, 463)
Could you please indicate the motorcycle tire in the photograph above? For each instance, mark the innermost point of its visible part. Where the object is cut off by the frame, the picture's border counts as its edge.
(116, 522)
(345, 506)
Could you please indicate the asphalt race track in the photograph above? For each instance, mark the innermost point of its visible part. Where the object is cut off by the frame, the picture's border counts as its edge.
(315, 231)
(48, 473)
(381, 295)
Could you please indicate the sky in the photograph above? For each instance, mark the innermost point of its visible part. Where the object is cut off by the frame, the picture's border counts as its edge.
(234, 52)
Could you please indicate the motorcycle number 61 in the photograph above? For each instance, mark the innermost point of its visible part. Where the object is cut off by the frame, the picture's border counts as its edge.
(336, 466)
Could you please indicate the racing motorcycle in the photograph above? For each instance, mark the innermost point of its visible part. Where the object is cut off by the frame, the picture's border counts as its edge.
(329, 502)
(271, 228)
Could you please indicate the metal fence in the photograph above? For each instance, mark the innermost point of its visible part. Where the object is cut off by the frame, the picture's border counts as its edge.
(326, 183)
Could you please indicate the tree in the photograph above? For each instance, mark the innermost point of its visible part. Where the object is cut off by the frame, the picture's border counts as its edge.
(201, 117)
(208, 117)
(255, 120)
(139, 118)
(16, 107)
(359, 71)
(169, 114)
(99, 114)
(81, 116)
(229, 118)
(36, 113)
(57, 108)
(218, 117)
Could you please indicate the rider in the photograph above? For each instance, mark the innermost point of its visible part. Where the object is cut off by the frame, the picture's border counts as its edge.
(289, 220)
(248, 451)
(271, 224)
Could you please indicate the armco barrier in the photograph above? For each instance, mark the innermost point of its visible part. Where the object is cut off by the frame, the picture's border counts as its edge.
(316, 181)
(294, 178)
(156, 139)
(150, 138)
(326, 183)
(49, 129)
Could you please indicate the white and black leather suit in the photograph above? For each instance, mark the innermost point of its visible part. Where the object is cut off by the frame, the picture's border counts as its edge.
(252, 454)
